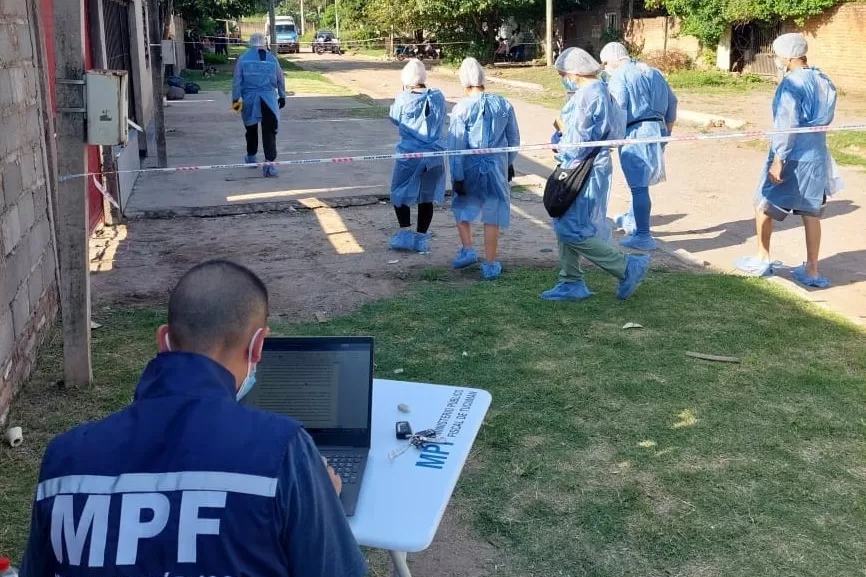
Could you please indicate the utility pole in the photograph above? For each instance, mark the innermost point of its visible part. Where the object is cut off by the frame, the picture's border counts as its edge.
(156, 69)
(548, 36)
(337, 16)
(302, 18)
(72, 217)
(272, 26)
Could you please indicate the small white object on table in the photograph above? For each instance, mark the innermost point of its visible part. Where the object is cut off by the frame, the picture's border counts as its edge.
(402, 501)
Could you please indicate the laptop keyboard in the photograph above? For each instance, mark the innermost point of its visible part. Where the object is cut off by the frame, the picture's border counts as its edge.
(346, 466)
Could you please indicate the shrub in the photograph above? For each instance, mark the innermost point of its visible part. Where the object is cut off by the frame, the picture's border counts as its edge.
(669, 61)
(211, 58)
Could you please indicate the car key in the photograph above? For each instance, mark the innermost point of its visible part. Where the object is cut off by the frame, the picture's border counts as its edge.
(403, 430)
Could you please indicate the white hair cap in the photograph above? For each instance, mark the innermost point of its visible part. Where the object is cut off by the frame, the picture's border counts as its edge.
(613, 52)
(471, 73)
(414, 73)
(577, 61)
(791, 45)
(257, 41)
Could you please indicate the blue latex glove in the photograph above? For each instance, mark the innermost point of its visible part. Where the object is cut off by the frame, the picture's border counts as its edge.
(557, 136)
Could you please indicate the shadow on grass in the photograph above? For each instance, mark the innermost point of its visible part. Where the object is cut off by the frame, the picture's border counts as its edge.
(607, 452)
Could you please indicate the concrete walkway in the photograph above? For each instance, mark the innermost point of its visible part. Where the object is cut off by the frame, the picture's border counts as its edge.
(202, 130)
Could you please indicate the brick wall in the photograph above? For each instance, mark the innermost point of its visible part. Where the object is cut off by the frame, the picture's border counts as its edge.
(28, 285)
(649, 35)
(837, 44)
(585, 29)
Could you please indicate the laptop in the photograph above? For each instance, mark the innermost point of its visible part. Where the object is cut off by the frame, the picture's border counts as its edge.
(325, 383)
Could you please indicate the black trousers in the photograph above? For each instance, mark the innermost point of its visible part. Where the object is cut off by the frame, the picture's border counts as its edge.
(269, 135)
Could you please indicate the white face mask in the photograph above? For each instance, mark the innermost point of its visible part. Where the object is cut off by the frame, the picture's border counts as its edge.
(780, 67)
(250, 379)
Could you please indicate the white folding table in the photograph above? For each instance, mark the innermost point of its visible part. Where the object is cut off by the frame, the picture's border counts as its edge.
(402, 501)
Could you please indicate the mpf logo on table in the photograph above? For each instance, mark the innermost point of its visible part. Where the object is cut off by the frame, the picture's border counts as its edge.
(434, 455)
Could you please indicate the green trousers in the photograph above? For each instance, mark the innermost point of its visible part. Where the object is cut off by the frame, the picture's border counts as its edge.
(596, 251)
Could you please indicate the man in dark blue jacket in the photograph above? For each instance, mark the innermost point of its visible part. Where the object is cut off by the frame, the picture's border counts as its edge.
(185, 482)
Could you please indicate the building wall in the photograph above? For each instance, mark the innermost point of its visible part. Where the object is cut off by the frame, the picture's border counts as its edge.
(837, 43)
(139, 46)
(585, 29)
(28, 285)
(649, 35)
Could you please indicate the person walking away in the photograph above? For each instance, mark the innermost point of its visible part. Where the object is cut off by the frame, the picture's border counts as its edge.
(259, 89)
(185, 480)
(651, 111)
(798, 176)
(419, 113)
(591, 114)
(481, 182)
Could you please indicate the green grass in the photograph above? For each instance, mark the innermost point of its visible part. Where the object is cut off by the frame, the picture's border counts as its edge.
(848, 148)
(298, 80)
(606, 452)
(714, 82)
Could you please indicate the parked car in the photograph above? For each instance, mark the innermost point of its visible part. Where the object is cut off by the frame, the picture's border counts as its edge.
(325, 41)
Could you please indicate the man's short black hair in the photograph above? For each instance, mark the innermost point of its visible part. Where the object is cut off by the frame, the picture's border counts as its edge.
(214, 305)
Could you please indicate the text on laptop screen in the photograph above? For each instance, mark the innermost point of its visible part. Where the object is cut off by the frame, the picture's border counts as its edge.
(325, 388)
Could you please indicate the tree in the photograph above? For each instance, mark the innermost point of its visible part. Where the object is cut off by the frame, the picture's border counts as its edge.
(708, 19)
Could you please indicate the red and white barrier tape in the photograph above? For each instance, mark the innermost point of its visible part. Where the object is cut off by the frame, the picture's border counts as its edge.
(484, 151)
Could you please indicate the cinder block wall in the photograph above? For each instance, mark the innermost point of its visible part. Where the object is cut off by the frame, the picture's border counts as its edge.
(837, 44)
(28, 279)
(649, 34)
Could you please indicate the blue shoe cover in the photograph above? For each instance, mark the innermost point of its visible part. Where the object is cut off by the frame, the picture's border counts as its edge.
(754, 266)
(465, 257)
(422, 242)
(626, 223)
(810, 281)
(567, 291)
(251, 159)
(639, 242)
(269, 170)
(491, 270)
(635, 271)
(403, 240)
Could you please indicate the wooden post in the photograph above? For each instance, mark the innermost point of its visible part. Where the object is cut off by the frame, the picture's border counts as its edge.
(156, 69)
(72, 217)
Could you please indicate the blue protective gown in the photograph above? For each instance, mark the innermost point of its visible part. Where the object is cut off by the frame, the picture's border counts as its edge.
(805, 97)
(483, 121)
(258, 82)
(649, 105)
(591, 114)
(420, 116)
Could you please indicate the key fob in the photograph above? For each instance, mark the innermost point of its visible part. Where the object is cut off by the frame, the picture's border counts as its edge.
(403, 430)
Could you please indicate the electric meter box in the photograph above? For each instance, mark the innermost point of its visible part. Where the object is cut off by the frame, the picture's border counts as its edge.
(169, 53)
(107, 107)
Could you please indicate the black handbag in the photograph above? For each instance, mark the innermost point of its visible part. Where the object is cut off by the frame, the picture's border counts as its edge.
(564, 186)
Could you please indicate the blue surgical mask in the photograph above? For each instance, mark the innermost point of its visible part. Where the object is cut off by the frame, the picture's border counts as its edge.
(247, 385)
(250, 381)
(605, 76)
(569, 84)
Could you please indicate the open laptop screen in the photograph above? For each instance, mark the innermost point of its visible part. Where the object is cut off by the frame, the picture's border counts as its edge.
(325, 383)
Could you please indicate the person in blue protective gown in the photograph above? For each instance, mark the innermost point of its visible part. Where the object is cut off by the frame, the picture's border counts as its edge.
(419, 113)
(583, 231)
(186, 480)
(651, 111)
(798, 176)
(259, 91)
(481, 182)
